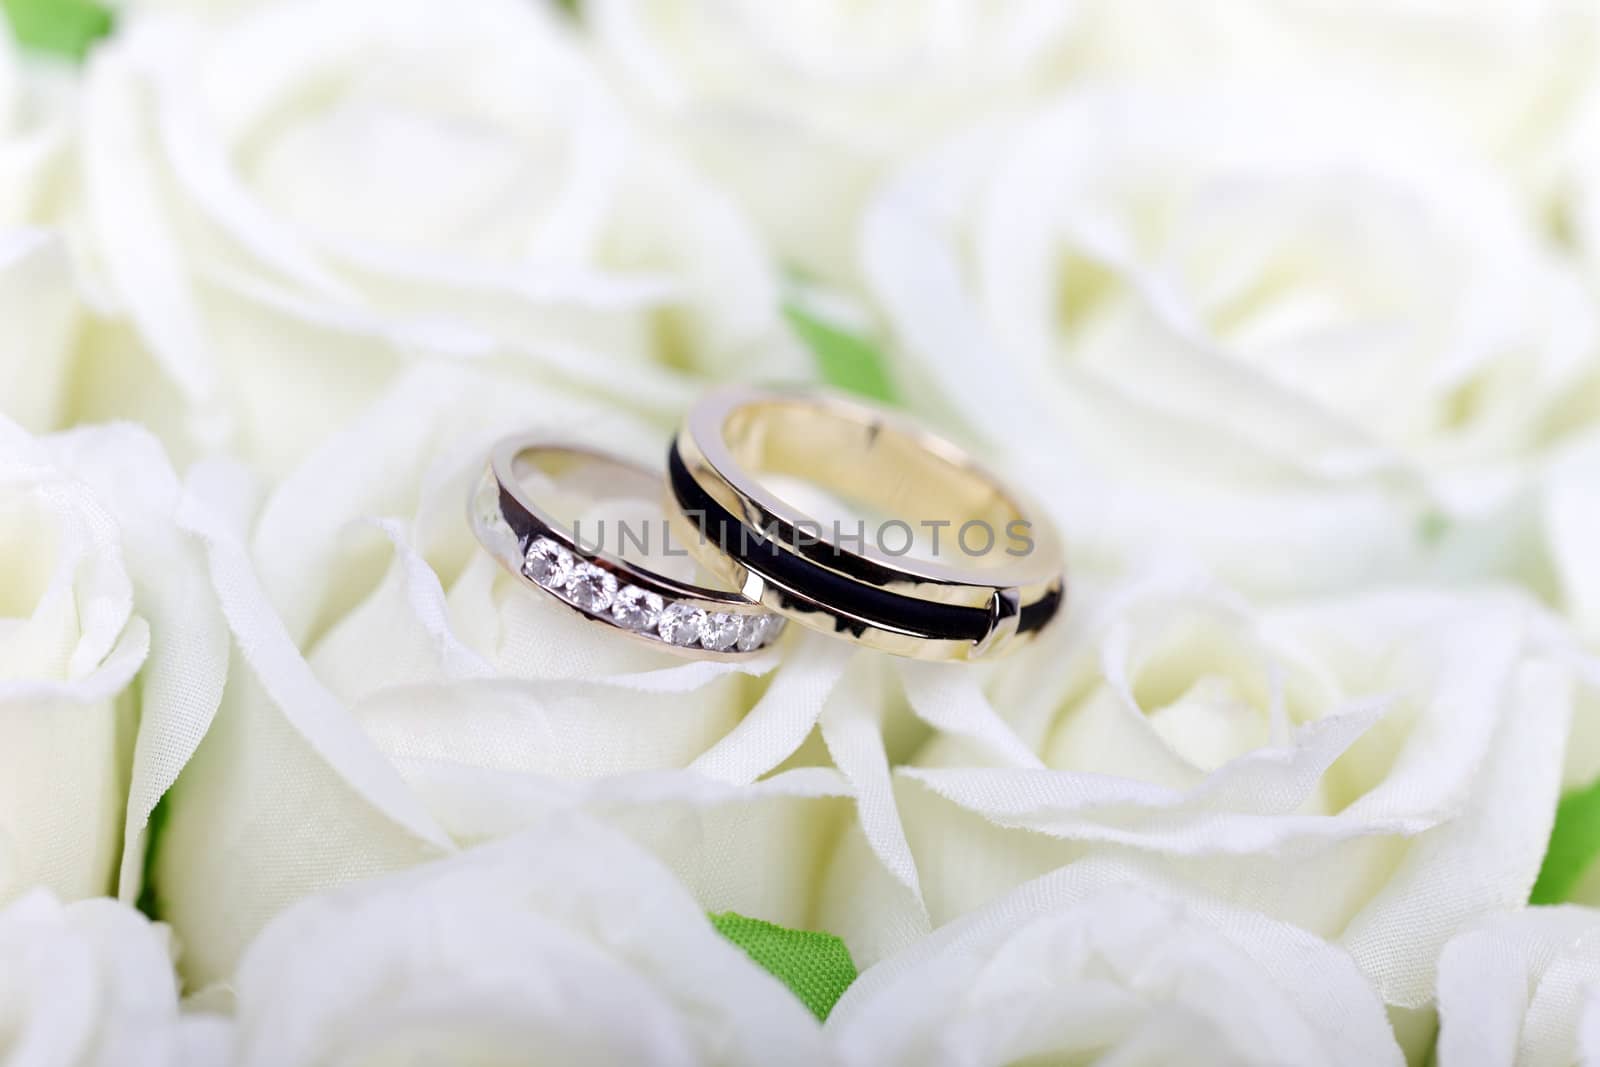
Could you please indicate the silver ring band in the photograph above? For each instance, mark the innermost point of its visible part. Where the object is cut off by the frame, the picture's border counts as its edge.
(670, 615)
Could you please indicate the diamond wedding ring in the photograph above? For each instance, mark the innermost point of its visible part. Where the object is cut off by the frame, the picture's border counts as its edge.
(598, 584)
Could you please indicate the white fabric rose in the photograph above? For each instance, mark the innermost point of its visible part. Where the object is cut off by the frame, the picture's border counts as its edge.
(202, 8)
(289, 206)
(91, 984)
(1379, 770)
(35, 128)
(1335, 352)
(38, 328)
(1093, 962)
(799, 107)
(70, 644)
(95, 587)
(566, 943)
(1510, 79)
(1573, 204)
(38, 304)
(1522, 989)
(1571, 517)
(396, 694)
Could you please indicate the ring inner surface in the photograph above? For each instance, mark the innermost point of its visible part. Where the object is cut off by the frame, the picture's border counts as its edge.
(878, 471)
(603, 503)
(574, 471)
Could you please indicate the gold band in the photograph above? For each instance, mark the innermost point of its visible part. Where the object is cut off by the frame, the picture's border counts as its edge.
(602, 586)
(954, 603)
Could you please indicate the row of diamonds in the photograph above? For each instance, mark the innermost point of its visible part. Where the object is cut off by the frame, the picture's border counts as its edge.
(595, 590)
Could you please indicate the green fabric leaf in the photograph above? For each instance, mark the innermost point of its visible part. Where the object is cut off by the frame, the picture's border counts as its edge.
(1574, 845)
(1432, 527)
(62, 27)
(816, 966)
(148, 901)
(846, 360)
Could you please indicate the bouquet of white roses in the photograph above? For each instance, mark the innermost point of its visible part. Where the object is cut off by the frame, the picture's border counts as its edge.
(1284, 313)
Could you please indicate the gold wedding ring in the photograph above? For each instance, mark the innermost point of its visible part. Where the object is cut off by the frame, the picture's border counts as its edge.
(990, 583)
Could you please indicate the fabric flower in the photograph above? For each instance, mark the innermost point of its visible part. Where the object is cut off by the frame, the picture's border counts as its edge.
(112, 656)
(39, 304)
(36, 99)
(90, 984)
(290, 206)
(1510, 80)
(1291, 337)
(38, 327)
(799, 109)
(566, 942)
(1519, 989)
(1380, 770)
(1095, 963)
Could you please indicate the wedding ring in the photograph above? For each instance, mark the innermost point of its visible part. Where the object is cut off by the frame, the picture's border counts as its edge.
(996, 582)
(600, 585)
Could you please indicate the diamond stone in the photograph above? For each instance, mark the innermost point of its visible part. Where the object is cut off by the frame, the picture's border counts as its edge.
(636, 608)
(547, 563)
(591, 588)
(754, 633)
(719, 630)
(680, 624)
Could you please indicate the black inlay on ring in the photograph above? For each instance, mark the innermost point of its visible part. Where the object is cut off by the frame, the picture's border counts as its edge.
(748, 546)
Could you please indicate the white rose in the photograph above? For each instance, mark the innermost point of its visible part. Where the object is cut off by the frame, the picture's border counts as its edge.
(1510, 79)
(1521, 990)
(1379, 770)
(396, 694)
(288, 207)
(1573, 204)
(566, 944)
(35, 111)
(70, 644)
(1571, 517)
(1279, 333)
(202, 8)
(799, 107)
(38, 304)
(38, 328)
(95, 587)
(1093, 962)
(91, 984)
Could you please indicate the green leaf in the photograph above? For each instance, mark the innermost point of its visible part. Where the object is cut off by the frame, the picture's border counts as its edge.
(1574, 845)
(61, 27)
(845, 359)
(148, 903)
(1432, 527)
(816, 966)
